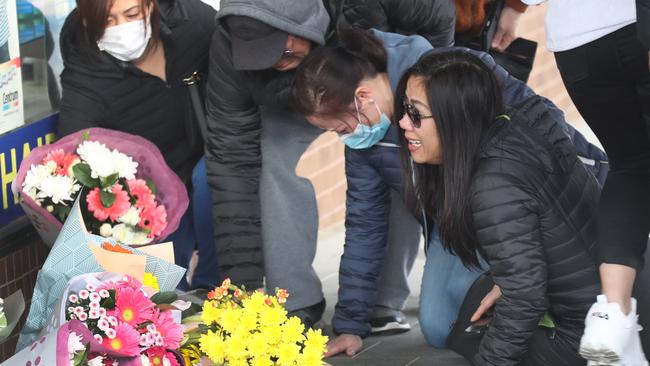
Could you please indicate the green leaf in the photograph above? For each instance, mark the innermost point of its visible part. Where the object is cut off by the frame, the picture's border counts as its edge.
(164, 297)
(547, 321)
(110, 180)
(85, 136)
(152, 186)
(108, 198)
(82, 174)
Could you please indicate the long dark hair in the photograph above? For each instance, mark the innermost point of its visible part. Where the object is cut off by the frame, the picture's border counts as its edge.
(92, 15)
(325, 81)
(465, 100)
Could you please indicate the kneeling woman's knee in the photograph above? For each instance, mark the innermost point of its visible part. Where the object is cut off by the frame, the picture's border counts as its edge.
(434, 329)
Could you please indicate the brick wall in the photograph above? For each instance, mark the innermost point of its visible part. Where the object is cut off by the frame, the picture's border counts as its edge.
(323, 162)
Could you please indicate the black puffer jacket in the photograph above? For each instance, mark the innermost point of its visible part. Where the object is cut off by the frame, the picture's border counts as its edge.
(109, 93)
(643, 21)
(534, 211)
(435, 20)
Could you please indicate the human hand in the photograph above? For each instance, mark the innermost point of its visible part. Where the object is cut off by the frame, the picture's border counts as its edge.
(348, 343)
(506, 29)
(488, 301)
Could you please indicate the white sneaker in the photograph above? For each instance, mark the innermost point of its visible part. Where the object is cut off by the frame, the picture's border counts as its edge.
(611, 337)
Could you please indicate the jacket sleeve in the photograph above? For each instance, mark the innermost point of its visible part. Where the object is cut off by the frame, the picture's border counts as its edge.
(80, 106)
(233, 162)
(366, 233)
(435, 20)
(507, 226)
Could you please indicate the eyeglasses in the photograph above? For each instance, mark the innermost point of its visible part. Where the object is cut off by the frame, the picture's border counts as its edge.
(414, 114)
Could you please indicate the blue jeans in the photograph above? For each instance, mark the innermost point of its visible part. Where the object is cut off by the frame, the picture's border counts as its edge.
(445, 283)
(195, 232)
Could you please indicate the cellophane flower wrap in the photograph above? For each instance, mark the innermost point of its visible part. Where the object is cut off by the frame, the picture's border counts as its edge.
(128, 191)
(237, 328)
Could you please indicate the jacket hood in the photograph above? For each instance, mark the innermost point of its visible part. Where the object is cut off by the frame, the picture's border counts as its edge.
(78, 56)
(303, 18)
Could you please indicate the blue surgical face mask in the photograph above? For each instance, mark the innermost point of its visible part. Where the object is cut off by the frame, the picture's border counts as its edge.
(364, 136)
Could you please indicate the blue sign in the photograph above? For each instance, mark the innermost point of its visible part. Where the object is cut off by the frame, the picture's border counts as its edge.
(14, 147)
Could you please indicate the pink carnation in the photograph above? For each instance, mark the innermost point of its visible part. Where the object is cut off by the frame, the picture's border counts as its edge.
(171, 331)
(119, 207)
(154, 220)
(144, 198)
(64, 162)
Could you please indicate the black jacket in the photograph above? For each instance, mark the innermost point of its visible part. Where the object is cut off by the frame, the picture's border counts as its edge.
(534, 210)
(435, 20)
(643, 21)
(106, 92)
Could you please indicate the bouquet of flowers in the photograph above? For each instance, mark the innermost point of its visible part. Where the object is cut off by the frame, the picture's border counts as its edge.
(127, 191)
(125, 321)
(236, 328)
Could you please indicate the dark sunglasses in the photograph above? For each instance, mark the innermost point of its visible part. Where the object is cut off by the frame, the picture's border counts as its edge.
(414, 114)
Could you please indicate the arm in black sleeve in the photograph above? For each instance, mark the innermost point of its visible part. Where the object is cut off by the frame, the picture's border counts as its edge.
(80, 106)
(435, 20)
(233, 161)
(507, 226)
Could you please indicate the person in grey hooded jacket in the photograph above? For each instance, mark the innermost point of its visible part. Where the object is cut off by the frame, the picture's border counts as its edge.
(265, 217)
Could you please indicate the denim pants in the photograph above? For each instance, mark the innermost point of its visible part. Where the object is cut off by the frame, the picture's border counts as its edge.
(195, 232)
(445, 283)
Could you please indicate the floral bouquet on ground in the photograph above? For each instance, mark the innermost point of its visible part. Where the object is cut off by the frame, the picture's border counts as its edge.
(123, 322)
(236, 328)
(128, 192)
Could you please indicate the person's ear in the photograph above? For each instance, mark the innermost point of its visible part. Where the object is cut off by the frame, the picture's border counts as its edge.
(364, 95)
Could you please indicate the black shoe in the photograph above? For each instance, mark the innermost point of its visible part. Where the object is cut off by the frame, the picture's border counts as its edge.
(390, 325)
(310, 315)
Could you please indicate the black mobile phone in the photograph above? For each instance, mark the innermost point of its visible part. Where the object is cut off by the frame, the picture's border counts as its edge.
(479, 326)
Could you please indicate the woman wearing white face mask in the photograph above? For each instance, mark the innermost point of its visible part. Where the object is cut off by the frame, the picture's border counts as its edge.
(125, 64)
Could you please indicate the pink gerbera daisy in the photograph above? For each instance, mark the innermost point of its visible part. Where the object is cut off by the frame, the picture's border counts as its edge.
(126, 341)
(144, 198)
(64, 162)
(171, 331)
(157, 355)
(132, 306)
(117, 209)
(154, 220)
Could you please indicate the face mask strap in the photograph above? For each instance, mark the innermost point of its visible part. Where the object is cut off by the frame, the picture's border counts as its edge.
(356, 106)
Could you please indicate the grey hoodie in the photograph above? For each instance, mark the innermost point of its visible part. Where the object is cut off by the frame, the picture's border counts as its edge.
(232, 151)
(304, 18)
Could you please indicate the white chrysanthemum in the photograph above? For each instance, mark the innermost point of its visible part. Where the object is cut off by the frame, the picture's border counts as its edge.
(97, 361)
(122, 233)
(98, 157)
(74, 343)
(58, 188)
(32, 194)
(144, 360)
(50, 166)
(34, 177)
(124, 165)
(131, 217)
(140, 238)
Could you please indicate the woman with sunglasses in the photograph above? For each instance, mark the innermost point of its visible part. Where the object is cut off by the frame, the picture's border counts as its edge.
(506, 183)
(349, 89)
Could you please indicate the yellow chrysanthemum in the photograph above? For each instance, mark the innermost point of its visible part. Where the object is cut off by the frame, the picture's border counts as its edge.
(262, 361)
(288, 354)
(238, 362)
(292, 330)
(273, 316)
(311, 357)
(213, 346)
(255, 302)
(258, 345)
(273, 335)
(316, 340)
(151, 281)
(210, 314)
(248, 321)
(229, 319)
(236, 346)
